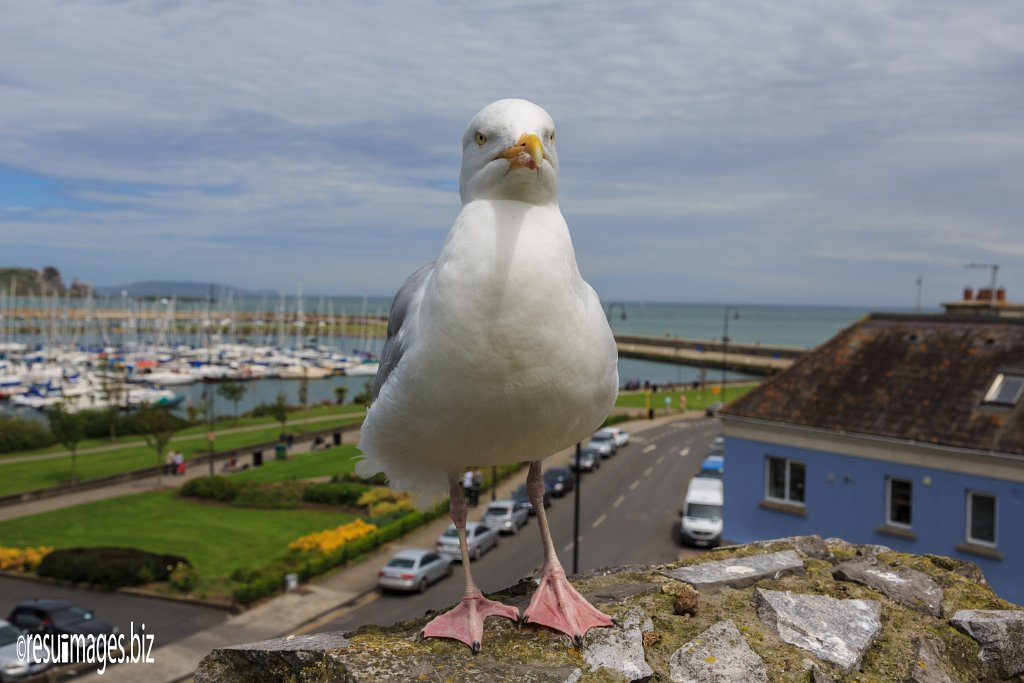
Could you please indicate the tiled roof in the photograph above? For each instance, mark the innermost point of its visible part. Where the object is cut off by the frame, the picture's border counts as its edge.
(921, 378)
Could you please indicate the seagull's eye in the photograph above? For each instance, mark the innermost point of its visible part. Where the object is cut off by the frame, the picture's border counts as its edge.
(481, 139)
(551, 136)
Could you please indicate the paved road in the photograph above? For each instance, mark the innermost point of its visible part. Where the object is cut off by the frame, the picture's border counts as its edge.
(168, 621)
(629, 514)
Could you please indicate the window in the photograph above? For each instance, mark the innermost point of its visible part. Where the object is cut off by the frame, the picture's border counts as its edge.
(1005, 390)
(981, 518)
(898, 502)
(785, 480)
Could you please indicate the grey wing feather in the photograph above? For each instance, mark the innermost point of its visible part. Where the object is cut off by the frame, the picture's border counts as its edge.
(393, 349)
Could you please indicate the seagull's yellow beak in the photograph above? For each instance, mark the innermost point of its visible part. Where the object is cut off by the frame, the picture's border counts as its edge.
(528, 152)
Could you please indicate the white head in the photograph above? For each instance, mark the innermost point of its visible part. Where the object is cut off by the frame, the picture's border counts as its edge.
(508, 152)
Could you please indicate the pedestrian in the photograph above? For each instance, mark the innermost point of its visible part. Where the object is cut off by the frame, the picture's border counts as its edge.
(467, 485)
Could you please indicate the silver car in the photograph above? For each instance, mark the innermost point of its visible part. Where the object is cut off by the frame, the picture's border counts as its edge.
(603, 443)
(414, 570)
(13, 667)
(479, 539)
(506, 516)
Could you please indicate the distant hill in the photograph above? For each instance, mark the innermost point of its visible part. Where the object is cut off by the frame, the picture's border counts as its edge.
(182, 289)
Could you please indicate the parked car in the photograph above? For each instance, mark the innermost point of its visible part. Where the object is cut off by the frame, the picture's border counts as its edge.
(590, 460)
(712, 410)
(506, 515)
(45, 615)
(717, 446)
(701, 520)
(712, 467)
(414, 570)
(13, 667)
(479, 539)
(558, 481)
(521, 496)
(603, 443)
(619, 436)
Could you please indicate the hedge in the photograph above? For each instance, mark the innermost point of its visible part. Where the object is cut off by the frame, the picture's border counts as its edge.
(109, 567)
(343, 494)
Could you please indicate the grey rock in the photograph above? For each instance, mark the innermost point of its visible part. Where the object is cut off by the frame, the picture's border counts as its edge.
(838, 631)
(927, 664)
(719, 655)
(621, 648)
(1000, 633)
(906, 586)
(739, 572)
(275, 660)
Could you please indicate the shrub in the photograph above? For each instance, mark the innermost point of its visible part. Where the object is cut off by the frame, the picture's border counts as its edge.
(258, 584)
(183, 578)
(22, 434)
(22, 559)
(108, 567)
(211, 488)
(275, 496)
(376, 480)
(339, 493)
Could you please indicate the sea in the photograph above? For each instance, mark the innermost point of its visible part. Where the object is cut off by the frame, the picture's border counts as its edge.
(803, 327)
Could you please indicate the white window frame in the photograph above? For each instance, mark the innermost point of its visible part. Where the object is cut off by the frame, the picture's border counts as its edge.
(995, 519)
(788, 483)
(997, 386)
(888, 502)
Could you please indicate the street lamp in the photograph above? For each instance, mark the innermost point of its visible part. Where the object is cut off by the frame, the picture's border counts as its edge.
(725, 341)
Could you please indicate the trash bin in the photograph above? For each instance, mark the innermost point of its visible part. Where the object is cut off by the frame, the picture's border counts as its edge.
(337, 438)
(291, 582)
(257, 458)
(281, 451)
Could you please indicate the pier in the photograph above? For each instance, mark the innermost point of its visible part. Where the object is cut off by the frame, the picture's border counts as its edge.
(754, 359)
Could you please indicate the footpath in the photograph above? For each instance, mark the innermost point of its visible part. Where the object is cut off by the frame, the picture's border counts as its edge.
(314, 603)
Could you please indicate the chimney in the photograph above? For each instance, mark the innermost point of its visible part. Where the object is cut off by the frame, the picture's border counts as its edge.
(985, 294)
(1001, 295)
(968, 293)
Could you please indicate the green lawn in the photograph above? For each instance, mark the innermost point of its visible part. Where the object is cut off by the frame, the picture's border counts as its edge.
(324, 463)
(694, 398)
(216, 539)
(26, 476)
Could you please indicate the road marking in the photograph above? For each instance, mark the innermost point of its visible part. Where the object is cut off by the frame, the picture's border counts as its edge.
(660, 459)
(648, 449)
(648, 471)
(338, 613)
(685, 452)
(632, 487)
(618, 501)
(597, 522)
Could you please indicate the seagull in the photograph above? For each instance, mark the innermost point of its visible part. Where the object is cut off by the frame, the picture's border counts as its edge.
(497, 352)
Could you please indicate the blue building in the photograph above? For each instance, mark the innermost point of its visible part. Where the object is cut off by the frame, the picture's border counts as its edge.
(905, 431)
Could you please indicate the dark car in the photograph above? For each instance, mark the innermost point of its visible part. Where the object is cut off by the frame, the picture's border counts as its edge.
(42, 615)
(558, 481)
(590, 460)
(713, 409)
(520, 496)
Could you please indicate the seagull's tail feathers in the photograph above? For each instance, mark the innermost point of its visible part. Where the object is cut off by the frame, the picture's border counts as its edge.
(426, 485)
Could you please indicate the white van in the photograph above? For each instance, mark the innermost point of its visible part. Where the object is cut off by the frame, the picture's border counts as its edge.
(701, 522)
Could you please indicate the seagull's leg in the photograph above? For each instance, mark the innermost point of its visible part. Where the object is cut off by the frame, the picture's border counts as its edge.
(465, 621)
(556, 604)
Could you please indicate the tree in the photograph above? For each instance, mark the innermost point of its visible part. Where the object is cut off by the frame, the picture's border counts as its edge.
(340, 393)
(232, 391)
(157, 427)
(366, 397)
(304, 388)
(279, 409)
(68, 428)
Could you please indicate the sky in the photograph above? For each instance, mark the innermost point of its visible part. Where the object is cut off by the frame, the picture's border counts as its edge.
(723, 152)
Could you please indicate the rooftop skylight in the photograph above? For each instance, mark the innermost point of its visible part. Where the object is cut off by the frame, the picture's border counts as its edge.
(1006, 389)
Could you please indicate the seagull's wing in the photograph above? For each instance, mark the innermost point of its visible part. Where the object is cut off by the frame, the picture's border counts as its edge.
(393, 348)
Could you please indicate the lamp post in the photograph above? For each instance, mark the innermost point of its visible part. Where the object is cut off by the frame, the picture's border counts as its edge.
(725, 341)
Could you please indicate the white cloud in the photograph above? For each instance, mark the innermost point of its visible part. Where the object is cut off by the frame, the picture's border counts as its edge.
(816, 151)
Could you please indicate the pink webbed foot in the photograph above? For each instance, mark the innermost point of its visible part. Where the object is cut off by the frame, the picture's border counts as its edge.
(465, 621)
(556, 604)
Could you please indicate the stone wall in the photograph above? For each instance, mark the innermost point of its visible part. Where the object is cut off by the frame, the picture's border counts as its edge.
(798, 609)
